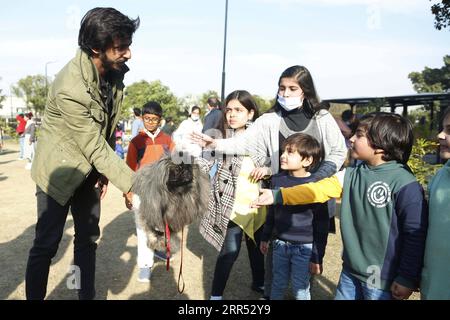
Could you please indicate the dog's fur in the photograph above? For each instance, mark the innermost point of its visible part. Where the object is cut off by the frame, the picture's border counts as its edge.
(176, 193)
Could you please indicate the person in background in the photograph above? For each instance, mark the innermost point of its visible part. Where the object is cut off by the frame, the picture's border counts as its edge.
(213, 117)
(181, 136)
(119, 131)
(350, 120)
(137, 125)
(20, 129)
(30, 139)
(169, 126)
(119, 148)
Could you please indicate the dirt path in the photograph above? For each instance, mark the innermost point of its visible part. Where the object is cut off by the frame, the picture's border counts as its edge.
(116, 254)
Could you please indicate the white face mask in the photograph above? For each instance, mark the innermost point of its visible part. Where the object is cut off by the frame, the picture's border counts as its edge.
(195, 117)
(290, 103)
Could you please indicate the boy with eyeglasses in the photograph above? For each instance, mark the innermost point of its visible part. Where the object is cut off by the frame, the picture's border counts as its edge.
(147, 147)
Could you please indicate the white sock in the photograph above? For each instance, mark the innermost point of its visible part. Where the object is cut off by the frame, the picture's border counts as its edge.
(215, 298)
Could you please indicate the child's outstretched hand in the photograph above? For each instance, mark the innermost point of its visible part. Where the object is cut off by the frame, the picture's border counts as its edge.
(202, 139)
(265, 198)
(264, 247)
(400, 292)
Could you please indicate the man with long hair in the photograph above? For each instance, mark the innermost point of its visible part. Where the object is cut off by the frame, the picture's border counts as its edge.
(75, 156)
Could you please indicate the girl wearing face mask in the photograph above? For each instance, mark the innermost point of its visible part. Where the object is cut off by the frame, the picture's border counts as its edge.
(297, 109)
(230, 218)
(181, 136)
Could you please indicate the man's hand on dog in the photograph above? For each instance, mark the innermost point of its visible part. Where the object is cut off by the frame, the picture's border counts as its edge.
(128, 200)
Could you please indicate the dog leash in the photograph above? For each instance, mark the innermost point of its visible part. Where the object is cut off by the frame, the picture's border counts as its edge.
(180, 274)
(167, 236)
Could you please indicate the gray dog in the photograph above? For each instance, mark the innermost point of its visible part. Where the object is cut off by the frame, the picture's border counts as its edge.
(169, 192)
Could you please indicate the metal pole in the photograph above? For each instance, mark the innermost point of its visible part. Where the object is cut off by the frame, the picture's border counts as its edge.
(11, 93)
(222, 95)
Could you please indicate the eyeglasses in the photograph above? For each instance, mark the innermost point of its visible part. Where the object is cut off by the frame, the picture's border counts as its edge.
(151, 120)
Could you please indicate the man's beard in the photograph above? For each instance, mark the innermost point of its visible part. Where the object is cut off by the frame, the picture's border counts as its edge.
(110, 65)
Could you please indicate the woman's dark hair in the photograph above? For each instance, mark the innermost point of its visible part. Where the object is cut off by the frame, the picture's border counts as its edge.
(246, 99)
(311, 102)
(389, 132)
(101, 26)
(152, 107)
(195, 108)
(306, 146)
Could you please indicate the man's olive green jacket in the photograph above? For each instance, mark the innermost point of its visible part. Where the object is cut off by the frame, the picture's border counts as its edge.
(73, 138)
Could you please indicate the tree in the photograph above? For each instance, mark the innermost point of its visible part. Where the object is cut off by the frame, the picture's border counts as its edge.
(2, 97)
(263, 104)
(187, 102)
(432, 79)
(33, 89)
(139, 93)
(441, 13)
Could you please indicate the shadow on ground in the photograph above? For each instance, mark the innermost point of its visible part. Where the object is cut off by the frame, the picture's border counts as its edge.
(115, 260)
(15, 255)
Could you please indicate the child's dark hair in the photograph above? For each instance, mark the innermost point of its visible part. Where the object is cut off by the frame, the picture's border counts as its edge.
(152, 107)
(118, 138)
(306, 146)
(389, 132)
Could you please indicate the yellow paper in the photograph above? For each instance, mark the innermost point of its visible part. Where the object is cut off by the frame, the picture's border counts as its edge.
(249, 219)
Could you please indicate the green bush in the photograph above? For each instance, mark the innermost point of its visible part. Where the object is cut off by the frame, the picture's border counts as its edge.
(8, 130)
(421, 169)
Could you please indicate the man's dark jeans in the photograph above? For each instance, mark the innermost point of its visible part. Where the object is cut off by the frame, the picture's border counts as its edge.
(85, 209)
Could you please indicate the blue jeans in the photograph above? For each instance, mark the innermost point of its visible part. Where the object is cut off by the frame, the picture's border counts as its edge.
(21, 145)
(291, 260)
(351, 288)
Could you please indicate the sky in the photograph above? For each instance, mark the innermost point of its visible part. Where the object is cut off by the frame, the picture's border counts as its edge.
(353, 48)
